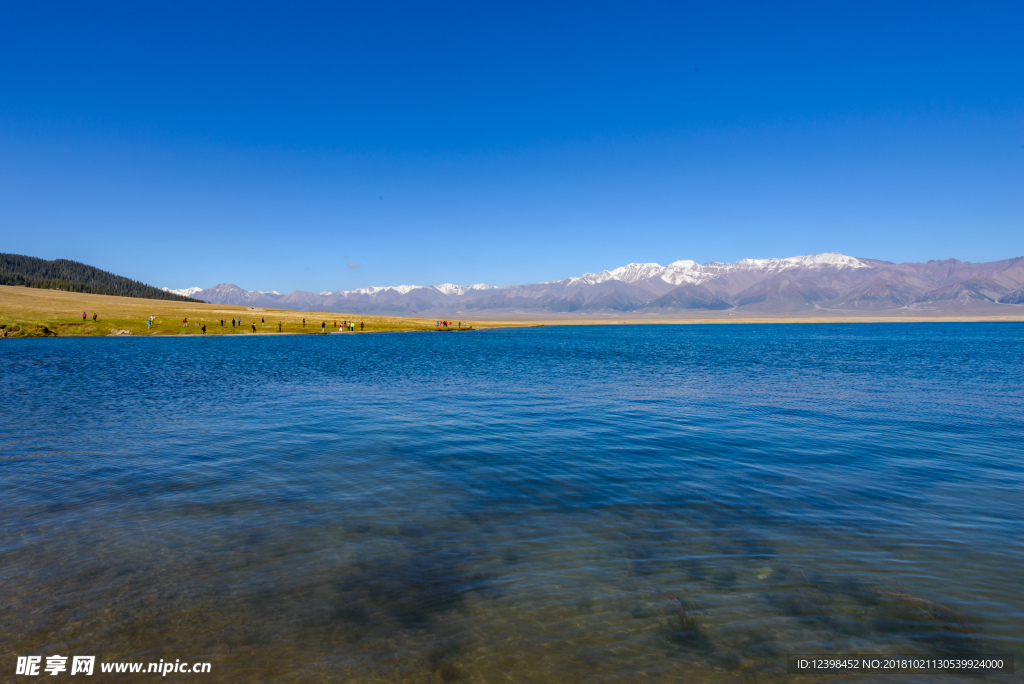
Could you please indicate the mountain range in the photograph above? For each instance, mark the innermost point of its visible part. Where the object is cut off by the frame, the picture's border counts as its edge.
(817, 283)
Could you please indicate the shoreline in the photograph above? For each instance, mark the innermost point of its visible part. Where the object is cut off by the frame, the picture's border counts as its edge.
(193, 333)
(780, 320)
(32, 312)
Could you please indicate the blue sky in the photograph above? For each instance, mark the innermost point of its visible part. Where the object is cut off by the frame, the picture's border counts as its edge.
(321, 148)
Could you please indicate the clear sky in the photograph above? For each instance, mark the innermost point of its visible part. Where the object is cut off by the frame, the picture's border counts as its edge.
(290, 146)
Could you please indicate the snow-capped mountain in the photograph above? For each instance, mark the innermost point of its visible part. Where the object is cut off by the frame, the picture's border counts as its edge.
(450, 289)
(187, 292)
(679, 272)
(445, 288)
(814, 282)
(400, 289)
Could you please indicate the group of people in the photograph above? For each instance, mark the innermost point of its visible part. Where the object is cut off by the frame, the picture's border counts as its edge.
(448, 325)
(346, 325)
(238, 320)
(184, 323)
(349, 326)
(84, 317)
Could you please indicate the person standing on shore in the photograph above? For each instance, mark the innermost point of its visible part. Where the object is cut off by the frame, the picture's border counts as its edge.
(184, 322)
(254, 326)
(360, 326)
(279, 326)
(323, 327)
(83, 317)
(204, 328)
(303, 323)
(263, 321)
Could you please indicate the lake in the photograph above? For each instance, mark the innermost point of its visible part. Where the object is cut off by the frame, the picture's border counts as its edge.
(556, 504)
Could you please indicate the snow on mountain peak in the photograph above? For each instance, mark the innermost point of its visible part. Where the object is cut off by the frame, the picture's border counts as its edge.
(812, 261)
(187, 292)
(372, 290)
(683, 265)
(629, 273)
(688, 271)
(828, 259)
(444, 288)
(450, 289)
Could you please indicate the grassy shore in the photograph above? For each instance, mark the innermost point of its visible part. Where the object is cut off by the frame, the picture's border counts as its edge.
(32, 312)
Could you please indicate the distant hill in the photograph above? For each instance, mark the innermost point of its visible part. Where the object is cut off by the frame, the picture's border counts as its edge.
(820, 284)
(71, 276)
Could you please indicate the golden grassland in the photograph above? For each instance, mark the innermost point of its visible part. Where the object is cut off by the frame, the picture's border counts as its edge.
(32, 312)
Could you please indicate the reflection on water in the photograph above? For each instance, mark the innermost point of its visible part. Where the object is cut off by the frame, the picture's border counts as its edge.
(681, 503)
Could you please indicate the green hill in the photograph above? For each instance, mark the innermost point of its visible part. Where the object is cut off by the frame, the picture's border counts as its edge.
(71, 276)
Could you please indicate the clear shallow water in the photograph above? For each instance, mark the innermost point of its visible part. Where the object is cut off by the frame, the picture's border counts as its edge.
(672, 503)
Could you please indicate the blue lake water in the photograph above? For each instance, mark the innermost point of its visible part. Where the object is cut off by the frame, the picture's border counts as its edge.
(614, 503)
